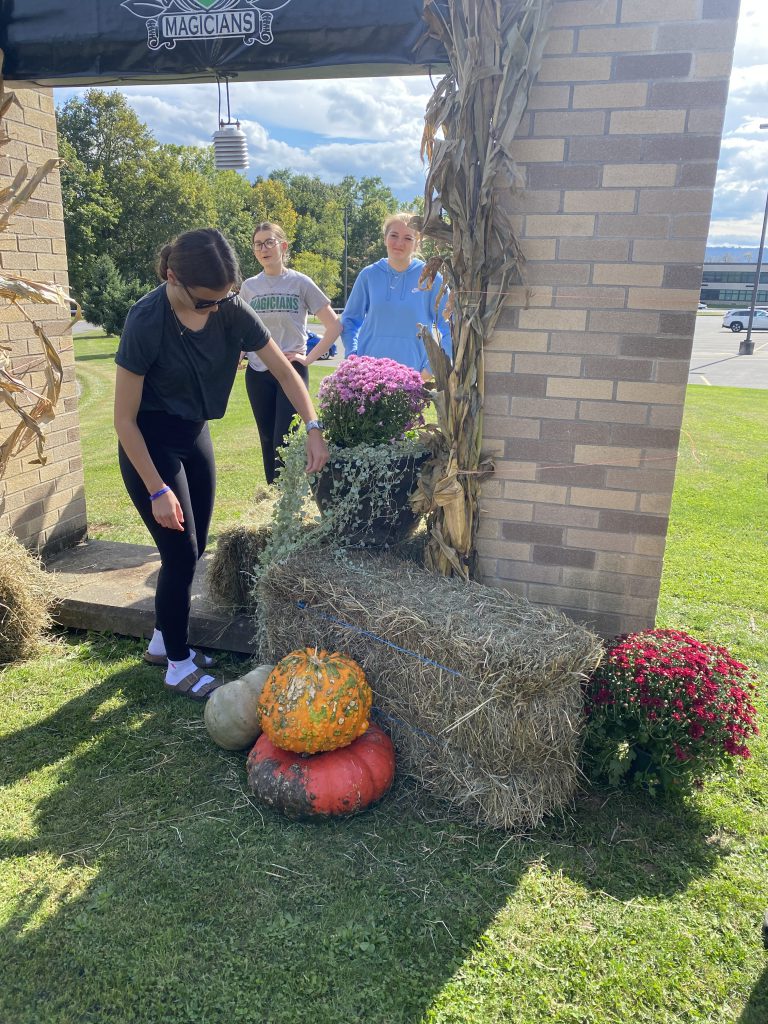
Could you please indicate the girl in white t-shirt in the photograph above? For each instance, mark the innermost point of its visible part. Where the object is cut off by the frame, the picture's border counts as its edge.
(282, 298)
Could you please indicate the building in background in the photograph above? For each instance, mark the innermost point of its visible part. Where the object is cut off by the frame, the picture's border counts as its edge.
(728, 284)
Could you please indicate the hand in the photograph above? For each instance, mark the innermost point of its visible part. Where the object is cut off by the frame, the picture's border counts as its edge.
(317, 451)
(297, 357)
(167, 511)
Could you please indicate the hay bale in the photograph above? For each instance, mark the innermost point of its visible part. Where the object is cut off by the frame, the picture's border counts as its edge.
(480, 689)
(229, 578)
(26, 594)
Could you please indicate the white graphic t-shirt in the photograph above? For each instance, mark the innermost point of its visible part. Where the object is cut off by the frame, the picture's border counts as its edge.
(282, 302)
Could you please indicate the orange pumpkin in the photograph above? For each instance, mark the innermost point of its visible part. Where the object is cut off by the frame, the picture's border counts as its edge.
(329, 785)
(315, 701)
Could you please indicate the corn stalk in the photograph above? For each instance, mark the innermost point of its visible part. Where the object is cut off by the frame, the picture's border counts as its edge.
(494, 50)
(15, 290)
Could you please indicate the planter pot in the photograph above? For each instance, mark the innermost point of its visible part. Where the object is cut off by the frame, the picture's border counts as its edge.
(380, 514)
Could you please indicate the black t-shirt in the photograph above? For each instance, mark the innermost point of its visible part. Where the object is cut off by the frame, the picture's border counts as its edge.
(191, 374)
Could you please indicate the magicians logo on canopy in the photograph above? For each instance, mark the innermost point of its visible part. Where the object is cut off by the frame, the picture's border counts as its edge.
(170, 21)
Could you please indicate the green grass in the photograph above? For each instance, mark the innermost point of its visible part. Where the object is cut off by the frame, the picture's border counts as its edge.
(716, 562)
(139, 884)
(111, 515)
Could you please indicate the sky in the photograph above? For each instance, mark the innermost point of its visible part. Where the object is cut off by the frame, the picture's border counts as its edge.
(372, 127)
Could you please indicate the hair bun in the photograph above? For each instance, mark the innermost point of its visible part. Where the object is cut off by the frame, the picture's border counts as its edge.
(162, 261)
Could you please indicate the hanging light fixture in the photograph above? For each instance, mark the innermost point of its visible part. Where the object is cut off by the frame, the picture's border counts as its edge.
(230, 145)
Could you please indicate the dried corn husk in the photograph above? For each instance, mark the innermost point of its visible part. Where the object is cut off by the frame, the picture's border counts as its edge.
(494, 49)
(16, 290)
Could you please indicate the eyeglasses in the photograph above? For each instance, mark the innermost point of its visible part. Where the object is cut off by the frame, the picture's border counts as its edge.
(268, 243)
(208, 303)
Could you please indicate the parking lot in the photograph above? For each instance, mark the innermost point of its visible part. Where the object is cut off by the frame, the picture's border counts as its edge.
(715, 360)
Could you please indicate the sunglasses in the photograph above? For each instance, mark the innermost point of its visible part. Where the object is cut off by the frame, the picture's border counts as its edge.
(268, 243)
(208, 303)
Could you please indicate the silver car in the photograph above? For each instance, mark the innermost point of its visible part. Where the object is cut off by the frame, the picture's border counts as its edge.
(738, 319)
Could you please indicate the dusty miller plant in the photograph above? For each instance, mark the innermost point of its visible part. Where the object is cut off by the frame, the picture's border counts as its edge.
(296, 523)
(296, 527)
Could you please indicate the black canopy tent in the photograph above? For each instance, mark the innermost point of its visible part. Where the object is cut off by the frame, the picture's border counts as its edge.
(100, 42)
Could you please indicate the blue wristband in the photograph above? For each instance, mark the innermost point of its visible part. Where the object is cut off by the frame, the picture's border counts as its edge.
(163, 490)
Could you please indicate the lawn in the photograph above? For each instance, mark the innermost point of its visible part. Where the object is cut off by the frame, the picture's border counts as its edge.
(140, 884)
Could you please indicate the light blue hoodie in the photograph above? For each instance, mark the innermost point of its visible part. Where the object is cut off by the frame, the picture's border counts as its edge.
(384, 310)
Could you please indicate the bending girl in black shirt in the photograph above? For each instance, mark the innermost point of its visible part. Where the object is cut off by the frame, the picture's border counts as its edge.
(176, 364)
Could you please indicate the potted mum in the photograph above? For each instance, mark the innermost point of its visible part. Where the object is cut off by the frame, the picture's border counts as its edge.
(370, 409)
(664, 710)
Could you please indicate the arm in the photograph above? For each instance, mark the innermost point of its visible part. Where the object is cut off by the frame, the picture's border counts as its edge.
(293, 386)
(128, 389)
(353, 315)
(332, 325)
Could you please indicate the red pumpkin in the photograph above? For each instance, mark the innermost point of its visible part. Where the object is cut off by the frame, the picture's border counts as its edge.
(331, 784)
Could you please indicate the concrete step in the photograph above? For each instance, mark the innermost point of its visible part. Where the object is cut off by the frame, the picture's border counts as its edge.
(110, 587)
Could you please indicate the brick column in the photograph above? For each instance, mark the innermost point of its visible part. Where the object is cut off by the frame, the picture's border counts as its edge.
(587, 371)
(44, 506)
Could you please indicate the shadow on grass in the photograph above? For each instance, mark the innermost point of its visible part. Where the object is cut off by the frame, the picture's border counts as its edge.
(629, 845)
(88, 357)
(756, 1010)
(162, 893)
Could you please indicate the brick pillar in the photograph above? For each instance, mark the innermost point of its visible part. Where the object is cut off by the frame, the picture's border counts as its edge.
(587, 371)
(44, 506)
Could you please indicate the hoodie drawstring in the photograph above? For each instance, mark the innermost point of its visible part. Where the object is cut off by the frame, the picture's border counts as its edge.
(392, 276)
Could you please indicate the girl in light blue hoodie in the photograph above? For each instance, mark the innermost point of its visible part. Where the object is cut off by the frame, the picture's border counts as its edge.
(386, 305)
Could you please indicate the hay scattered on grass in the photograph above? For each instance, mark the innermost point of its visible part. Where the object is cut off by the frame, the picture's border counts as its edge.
(488, 713)
(26, 594)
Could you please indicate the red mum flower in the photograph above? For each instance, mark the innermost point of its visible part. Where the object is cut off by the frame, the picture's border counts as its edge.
(662, 691)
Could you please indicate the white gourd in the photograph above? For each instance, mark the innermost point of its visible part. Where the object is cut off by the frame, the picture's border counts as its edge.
(231, 712)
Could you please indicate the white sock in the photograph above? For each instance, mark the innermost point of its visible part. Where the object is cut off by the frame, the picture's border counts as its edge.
(156, 644)
(178, 670)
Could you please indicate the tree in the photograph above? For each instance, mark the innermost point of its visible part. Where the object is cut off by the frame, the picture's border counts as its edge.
(307, 193)
(323, 271)
(368, 202)
(106, 134)
(322, 234)
(168, 199)
(109, 296)
(151, 192)
(92, 213)
(232, 196)
(270, 202)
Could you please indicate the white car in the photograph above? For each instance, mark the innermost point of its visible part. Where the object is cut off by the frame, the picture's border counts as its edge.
(738, 319)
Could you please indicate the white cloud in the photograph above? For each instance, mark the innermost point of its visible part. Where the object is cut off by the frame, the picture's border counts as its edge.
(361, 126)
(736, 230)
(742, 178)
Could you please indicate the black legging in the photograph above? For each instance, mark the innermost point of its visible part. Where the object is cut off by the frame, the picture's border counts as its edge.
(273, 413)
(182, 452)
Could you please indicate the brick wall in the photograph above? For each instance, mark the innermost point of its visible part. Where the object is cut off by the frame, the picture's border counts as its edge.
(44, 506)
(586, 373)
